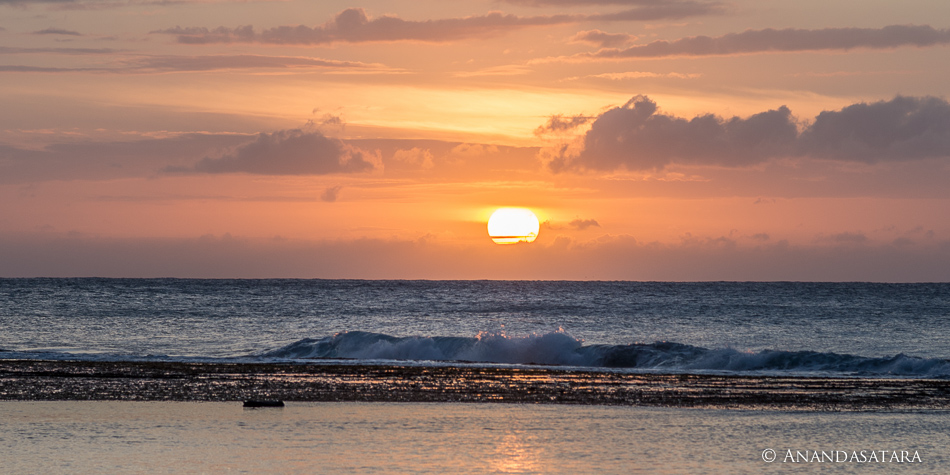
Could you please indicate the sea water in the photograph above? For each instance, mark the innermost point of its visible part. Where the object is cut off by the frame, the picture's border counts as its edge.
(115, 437)
(841, 329)
(836, 329)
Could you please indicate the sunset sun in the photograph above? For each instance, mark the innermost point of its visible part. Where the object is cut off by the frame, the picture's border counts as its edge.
(513, 225)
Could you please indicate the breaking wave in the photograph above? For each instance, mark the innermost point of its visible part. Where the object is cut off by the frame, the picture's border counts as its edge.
(560, 349)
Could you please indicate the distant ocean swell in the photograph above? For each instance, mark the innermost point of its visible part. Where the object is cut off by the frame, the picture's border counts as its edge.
(560, 349)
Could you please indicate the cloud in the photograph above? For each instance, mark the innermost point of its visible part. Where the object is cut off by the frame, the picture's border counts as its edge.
(70, 51)
(785, 40)
(104, 4)
(160, 63)
(542, 3)
(900, 129)
(330, 194)
(602, 39)
(559, 124)
(43, 69)
(504, 70)
(635, 75)
(582, 224)
(636, 136)
(89, 160)
(844, 238)
(608, 258)
(353, 25)
(662, 11)
(57, 31)
(27, 2)
(290, 152)
(146, 64)
(419, 157)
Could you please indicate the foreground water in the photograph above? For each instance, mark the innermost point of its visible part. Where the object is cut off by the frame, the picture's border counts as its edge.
(836, 329)
(127, 437)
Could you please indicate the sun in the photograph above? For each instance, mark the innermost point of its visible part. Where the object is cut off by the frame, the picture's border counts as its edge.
(513, 225)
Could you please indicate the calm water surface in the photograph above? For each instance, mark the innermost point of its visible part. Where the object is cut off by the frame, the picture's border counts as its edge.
(334, 438)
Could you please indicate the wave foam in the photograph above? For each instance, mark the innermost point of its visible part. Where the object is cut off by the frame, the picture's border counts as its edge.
(560, 349)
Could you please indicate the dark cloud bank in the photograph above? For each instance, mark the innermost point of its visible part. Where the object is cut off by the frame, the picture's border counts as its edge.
(636, 136)
(614, 259)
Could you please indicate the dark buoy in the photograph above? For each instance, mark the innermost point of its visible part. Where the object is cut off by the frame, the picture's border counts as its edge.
(263, 403)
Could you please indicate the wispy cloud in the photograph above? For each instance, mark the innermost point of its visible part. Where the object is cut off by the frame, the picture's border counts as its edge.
(636, 75)
(785, 40)
(602, 39)
(543, 3)
(504, 70)
(636, 136)
(44, 69)
(32, 2)
(143, 64)
(91, 160)
(243, 61)
(353, 25)
(57, 31)
(106, 4)
(69, 51)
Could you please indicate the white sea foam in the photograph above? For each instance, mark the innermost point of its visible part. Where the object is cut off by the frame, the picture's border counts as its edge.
(559, 348)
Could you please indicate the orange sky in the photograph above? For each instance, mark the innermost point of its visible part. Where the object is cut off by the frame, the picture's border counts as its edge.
(654, 139)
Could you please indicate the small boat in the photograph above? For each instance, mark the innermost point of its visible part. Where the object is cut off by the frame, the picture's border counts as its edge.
(263, 403)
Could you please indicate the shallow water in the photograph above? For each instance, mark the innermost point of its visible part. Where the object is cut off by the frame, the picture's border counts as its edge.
(180, 437)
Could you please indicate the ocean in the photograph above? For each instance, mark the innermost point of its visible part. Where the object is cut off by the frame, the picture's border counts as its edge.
(735, 334)
(787, 328)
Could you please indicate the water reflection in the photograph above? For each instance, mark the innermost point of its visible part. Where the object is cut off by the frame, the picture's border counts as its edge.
(516, 453)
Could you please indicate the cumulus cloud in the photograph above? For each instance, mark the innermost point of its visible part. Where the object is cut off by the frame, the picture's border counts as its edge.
(785, 40)
(291, 152)
(636, 136)
(353, 25)
(900, 129)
